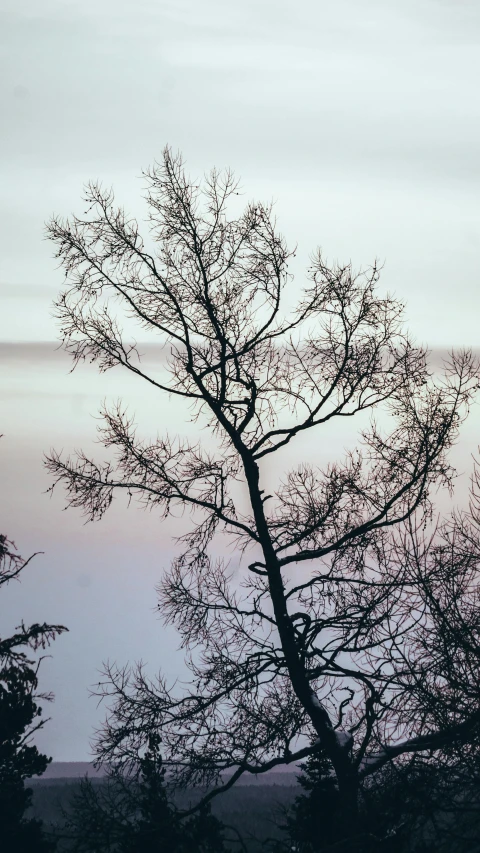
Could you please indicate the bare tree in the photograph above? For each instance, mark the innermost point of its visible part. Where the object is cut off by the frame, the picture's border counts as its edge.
(318, 635)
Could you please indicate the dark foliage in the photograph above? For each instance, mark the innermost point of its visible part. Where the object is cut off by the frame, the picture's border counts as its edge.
(135, 815)
(414, 807)
(20, 718)
(19, 760)
(313, 822)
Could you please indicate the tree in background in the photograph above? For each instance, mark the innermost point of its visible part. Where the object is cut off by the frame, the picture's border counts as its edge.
(394, 807)
(318, 635)
(129, 815)
(410, 806)
(20, 718)
(311, 825)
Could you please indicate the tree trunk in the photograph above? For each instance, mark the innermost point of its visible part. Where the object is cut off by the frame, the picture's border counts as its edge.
(346, 777)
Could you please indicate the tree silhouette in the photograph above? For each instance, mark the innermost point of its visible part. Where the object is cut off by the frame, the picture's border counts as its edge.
(312, 824)
(318, 632)
(20, 718)
(392, 808)
(132, 814)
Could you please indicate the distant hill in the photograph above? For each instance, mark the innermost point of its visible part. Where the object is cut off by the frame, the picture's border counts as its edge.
(79, 769)
(70, 770)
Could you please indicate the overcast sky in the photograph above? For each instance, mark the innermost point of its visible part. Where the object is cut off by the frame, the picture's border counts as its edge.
(360, 117)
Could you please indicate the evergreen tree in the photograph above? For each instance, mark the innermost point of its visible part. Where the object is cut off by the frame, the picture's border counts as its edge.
(134, 815)
(19, 760)
(312, 824)
(20, 718)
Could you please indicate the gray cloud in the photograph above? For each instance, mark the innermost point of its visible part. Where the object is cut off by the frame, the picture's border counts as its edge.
(9, 290)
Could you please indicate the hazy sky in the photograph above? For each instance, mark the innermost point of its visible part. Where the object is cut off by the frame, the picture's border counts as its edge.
(360, 117)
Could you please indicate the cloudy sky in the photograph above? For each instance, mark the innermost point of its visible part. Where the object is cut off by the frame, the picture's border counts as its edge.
(361, 118)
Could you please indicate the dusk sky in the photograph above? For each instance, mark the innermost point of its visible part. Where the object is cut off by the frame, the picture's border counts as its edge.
(362, 121)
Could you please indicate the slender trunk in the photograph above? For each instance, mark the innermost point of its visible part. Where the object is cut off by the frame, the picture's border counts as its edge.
(347, 778)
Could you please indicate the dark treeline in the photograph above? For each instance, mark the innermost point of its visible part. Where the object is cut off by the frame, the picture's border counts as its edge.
(413, 811)
(348, 636)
